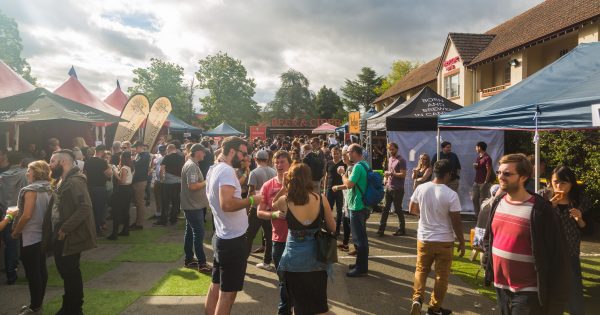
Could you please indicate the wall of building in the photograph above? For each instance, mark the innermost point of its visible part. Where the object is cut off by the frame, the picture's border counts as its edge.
(457, 68)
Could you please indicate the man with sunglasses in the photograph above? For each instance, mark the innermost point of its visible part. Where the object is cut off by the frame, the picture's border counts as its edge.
(231, 222)
(524, 246)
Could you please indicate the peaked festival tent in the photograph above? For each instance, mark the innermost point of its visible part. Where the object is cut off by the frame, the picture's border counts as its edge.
(420, 112)
(178, 125)
(11, 83)
(325, 128)
(117, 99)
(224, 129)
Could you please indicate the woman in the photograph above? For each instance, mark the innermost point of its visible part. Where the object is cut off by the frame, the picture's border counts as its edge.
(567, 199)
(243, 173)
(79, 157)
(122, 194)
(346, 219)
(296, 158)
(305, 278)
(32, 203)
(422, 173)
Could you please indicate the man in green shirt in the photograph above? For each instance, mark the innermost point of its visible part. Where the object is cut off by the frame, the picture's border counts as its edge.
(357, 185)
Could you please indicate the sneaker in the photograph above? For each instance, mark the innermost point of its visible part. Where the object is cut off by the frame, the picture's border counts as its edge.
(343, 248)
(205, 268)
(26, 310)
(264, 266)
(416, 307)
(380, 233)
(399, 233)
(441, 311)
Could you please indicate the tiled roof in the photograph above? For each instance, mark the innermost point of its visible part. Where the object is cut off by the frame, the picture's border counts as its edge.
(470, 45)
(547, 18)
(420, 76)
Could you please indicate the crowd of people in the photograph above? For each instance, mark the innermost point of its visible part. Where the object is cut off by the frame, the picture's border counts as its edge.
(288, 188)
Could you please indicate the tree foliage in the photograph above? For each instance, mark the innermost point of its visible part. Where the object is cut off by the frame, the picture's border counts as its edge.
(400, 68)
(163, 78)
(328, 104)
(11, 48)
(230, 92)
(293, 100)
(360, 93)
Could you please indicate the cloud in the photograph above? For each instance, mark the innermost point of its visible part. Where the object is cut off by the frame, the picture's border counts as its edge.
(328, 41)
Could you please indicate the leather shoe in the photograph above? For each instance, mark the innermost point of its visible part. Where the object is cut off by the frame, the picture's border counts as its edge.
(355, 273)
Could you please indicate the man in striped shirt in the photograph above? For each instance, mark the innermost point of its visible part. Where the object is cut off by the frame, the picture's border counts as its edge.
(524, 244)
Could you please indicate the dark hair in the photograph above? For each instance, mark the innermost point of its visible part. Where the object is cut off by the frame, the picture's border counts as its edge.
(126, 160)
(441, 168)
(565, 174)
(300, 184)
(15, 157)
(100, 147)
(393, 144)
(282, 154)
(234, 143)
(482, 145)
(445, 144)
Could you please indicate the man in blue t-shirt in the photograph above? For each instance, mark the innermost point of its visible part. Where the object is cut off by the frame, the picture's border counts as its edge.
(357, 185)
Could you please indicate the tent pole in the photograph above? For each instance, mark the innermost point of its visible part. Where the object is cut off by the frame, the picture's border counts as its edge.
(17, 137)
(437, 141)
(537, 165)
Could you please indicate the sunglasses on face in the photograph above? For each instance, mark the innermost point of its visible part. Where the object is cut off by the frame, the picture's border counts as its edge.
(505, 174)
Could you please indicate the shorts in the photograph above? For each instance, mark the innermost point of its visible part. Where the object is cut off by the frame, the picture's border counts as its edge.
(230, 261)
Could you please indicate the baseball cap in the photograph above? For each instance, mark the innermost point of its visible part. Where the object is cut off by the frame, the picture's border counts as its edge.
(262, 155)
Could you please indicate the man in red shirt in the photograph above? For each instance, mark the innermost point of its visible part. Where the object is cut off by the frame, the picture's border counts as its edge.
(484, 175)
(524, 245)
(280, 227)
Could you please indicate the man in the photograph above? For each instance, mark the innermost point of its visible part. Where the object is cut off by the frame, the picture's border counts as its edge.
(447, 154)
(209, 158)
(438, 208)
(139, 182)
(97, 171)
(261, 174)
(332, 140)
(68, 227)
(157, 188)
(332, 178)
(524, 246)
(394, 190)
(11, 182)
(315, 159)
(116, 153)
(359, 213)
(484, 176)
(269, 190)
(231, 222)
(170, 174)
(52, 145)
(193, 204)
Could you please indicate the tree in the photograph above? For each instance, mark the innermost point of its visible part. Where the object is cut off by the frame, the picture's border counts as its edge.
(360, 93)
(293, 100)
(400, 68)
(163, 78)
(328, 104)
(230, 92)
(11, 48)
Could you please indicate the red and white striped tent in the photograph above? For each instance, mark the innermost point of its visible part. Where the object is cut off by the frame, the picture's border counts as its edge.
(324, 129)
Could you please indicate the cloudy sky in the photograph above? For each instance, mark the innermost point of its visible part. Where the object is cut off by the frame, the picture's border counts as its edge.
(328, 41)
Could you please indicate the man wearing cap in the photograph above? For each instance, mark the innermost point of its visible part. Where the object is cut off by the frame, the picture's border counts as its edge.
(262, 173)
(139, 182)
(193, 204)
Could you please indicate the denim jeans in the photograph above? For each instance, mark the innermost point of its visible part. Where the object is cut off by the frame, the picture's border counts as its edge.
(518, 303)
(99, 197)
(336, 198)
(358, 223)
(194, 235)
(576, 306)
(393, 196)
(11, 255)
(284, 307)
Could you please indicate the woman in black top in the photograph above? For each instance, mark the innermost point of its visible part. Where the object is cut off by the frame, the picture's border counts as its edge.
(122, 195)
(332, 178)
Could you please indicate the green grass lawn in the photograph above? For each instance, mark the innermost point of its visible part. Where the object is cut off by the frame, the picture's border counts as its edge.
(138, 237)
(155, 252)
(98, 302)
(89, 271)
(182, 281)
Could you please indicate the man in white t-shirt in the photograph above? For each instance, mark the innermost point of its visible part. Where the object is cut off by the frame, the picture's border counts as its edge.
(231, 222)
(438, 208)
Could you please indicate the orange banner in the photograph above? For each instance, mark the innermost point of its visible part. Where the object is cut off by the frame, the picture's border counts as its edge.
(354, 122)
(135, 111)
(158, 114)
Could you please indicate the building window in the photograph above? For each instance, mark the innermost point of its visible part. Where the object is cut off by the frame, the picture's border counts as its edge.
(507, 74)
(452, 85)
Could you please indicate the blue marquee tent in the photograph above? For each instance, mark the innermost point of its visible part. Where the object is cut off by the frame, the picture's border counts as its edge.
(564, 94)
(224, 129)
(178, 125)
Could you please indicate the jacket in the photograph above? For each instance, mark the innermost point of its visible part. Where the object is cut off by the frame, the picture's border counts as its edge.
(11, 183)
(549, 254)
(76, 216)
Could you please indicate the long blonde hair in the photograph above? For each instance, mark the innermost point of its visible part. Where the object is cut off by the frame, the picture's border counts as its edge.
(424, 163)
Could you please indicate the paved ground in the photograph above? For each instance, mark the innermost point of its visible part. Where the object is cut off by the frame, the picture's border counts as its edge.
(387, 289)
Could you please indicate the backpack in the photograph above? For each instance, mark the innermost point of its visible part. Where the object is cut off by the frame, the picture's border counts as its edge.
(315, 162)
(375, 192)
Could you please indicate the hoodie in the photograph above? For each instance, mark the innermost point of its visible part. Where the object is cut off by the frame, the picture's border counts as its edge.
(11, 183)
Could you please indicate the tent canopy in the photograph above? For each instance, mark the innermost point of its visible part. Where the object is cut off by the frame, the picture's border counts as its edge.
(418, 113)
(325, 128)
(224, 129)
(117, 99)
(563, 93)
(178, 125)
(11, 83)
(74, 90)
(342, 128)
(41, 104)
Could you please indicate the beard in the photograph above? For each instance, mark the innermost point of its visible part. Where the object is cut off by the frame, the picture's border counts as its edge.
(236, 162)
(57, 172)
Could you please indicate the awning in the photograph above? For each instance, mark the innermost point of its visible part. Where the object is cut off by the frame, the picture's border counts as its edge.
(325, 128)
(224, 129)
(178, 125)
(74, 90)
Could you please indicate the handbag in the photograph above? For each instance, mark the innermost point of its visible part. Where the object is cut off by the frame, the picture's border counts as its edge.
(326, 242)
